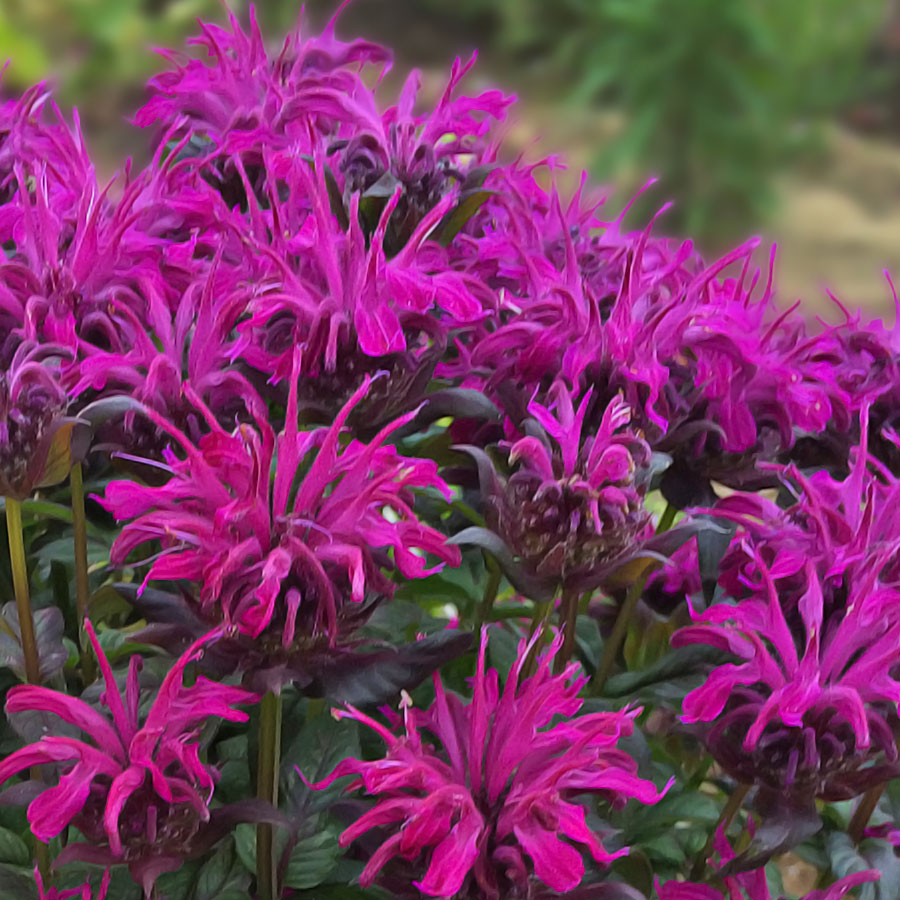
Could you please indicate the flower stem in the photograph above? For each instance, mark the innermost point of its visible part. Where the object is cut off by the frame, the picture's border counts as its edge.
(568, 618)
(863, 812)
(728, 813)
(26, 630)
(611, 647)
(490, 590)
(267, 789)
(538, 623)
(82, 584)
(20, 586)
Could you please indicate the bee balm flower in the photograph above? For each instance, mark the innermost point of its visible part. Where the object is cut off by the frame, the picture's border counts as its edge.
(493, 806)
(279, 559)
(137, 790)
(809, 708)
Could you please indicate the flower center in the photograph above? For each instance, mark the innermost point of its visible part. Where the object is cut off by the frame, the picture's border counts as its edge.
(552, 525)
(23, 425)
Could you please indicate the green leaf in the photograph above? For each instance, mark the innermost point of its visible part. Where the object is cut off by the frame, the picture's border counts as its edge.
(871, 853)
(245, 845)
(177, 885)
(319, 746)
(215, 872)
(13, 849)
(15, 885)
(59, 457)
(664, 849)
(503, 648)
(588, 640)
(346, 892)
(669, 679)
(48, 631)
(636, 870)
(61, 548)
(456, 219)
(312, 860)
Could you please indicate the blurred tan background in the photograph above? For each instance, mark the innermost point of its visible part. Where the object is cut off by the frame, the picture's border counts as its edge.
(772, 116)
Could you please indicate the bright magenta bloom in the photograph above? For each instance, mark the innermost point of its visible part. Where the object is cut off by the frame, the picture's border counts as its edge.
(752, 885)
(29, 135)
(816, 628)
(246, 100)
(282, 555)
(491, 806)
(137, 790)
(574, 506)
(333, 291)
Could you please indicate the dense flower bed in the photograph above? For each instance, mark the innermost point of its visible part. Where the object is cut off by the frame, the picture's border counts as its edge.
(384, 524)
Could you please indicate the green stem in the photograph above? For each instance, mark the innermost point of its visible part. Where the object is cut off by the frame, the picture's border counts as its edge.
(490, 590)
(267, 789)
(614, 642)
(539, 622)
(863, 812)
(568, 618)
(611, 648)
(20, 586)
(26, 630)
(728, 813)
(82, 584)
(507, 612)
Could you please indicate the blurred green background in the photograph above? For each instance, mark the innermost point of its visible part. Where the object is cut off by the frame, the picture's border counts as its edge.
(781, 115)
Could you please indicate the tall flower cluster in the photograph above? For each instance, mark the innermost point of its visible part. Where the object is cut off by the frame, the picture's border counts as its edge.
(574, 504)
(34, 429)
(341, 386)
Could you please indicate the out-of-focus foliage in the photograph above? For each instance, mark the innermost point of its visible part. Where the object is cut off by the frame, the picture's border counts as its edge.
(715, 95)
(98, 51)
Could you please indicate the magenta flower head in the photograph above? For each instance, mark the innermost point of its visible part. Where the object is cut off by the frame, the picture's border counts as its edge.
(809, 708)
(423, 158)
(77, 272)
(332, 290)
(134, 785)
(576, 504)
(80, 893)
(491, 807)
(283, 562)
(28, 133)
(191, 345)
(753, 885)
(35, 433)
(572, 512)
(714, 375)
(227, 113)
